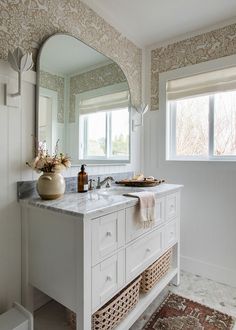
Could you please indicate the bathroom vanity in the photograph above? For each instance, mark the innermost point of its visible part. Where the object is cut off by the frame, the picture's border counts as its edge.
(82, 249)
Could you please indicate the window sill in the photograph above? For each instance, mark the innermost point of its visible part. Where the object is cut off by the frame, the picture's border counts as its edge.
(203, 160)
(102, 162)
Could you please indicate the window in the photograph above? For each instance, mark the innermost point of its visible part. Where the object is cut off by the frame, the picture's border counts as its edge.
(106, 135)
(201, 117)
(105, 127)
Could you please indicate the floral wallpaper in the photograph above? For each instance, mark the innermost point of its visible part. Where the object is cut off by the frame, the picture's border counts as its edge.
(28, 23)
(205, 47)
(101, 77)
(57, 84)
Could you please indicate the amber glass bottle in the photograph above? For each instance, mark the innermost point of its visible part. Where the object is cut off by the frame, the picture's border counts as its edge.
(82, 180)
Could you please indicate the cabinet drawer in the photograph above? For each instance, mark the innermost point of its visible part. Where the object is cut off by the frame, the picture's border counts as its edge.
(170, 233)
(172, 206)
(108, 234)
(143, 252)
(134, 227)
(107, 278)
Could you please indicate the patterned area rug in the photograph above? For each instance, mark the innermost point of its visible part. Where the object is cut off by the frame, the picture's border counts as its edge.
(178, 313)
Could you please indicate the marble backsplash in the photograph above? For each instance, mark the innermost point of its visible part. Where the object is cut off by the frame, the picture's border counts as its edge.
(27, 189)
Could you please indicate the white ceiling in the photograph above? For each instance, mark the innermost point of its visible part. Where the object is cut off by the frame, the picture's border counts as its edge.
(148, 22)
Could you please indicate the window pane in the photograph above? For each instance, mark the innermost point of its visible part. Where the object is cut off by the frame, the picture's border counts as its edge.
(225, 124)
(120, 133)
(192, 126)
(96, 134)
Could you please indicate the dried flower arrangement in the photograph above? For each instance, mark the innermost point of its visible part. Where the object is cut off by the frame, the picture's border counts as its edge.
(43, 162)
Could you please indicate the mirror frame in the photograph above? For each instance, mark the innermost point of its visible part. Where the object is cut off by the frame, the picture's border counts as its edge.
(90, 161)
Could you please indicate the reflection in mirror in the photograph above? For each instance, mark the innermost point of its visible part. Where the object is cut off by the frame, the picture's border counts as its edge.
(84, 101)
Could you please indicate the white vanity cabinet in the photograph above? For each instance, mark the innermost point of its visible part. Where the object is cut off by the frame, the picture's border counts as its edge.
(108, 235)
(133, 228)
(82, 261)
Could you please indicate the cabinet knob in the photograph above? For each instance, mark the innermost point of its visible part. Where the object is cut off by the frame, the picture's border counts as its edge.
(109, 233)
(148, 250)
(108, 278)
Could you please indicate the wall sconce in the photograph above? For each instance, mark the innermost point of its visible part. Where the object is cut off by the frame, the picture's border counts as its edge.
(20, 63)
(142, 109)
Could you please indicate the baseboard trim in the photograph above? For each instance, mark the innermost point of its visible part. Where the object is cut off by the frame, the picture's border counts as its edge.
(211, 271)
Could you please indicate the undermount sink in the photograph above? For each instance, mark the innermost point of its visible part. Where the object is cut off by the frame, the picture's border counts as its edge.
(117, 191)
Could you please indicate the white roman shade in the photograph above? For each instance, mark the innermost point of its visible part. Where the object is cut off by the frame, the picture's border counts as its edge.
(109, 102)
(200, 84)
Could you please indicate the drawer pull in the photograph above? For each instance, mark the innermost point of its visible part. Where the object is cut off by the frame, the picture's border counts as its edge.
(108, 278)
(148, 250)
(109, 233)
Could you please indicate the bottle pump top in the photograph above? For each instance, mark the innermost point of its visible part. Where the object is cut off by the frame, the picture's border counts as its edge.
(83, 167)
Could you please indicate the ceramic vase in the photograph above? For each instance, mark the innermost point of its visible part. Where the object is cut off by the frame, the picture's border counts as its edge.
(51, 185)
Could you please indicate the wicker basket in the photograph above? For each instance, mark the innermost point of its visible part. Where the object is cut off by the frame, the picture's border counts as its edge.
(110, 315)
(155, 272)
(71, 319)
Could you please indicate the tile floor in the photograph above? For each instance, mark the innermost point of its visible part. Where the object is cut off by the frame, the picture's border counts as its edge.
(215, 295)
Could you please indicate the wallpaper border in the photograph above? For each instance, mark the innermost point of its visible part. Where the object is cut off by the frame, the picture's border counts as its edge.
(204, 47)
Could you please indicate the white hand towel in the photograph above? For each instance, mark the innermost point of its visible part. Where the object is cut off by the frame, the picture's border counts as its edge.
(147, 204)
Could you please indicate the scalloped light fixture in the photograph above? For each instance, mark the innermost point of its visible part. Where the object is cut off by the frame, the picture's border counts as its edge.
(20, 63)
(142, 109)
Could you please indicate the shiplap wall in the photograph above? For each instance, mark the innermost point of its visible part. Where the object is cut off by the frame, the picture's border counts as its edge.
(208, 208)
(16, 147)
(16, 128)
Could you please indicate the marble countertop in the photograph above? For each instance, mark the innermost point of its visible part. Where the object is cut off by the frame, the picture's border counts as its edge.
(96, 203)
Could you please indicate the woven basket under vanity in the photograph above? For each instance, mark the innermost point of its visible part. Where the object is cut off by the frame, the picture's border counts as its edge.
(112, 313)
(156, 271)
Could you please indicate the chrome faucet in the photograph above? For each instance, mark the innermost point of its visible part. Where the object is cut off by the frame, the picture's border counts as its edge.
(106, 181)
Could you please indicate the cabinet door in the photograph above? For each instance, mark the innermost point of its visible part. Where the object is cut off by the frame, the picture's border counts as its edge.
(172, 206)
(107, 279)
(108, 234)
(170, 233)
(134, 227)
(143, 252)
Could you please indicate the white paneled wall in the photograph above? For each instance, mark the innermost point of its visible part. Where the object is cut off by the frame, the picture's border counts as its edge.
(208, 208)
(17, 126)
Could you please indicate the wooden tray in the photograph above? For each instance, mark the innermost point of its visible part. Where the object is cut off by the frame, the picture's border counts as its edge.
(143, 183)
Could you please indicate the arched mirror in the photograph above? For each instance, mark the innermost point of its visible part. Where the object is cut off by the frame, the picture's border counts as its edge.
(83, 99)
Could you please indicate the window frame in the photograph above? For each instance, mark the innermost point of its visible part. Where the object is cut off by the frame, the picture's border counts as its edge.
(218, 64)
(51, 131)
(171, 108)
(108, 145)
(101, 160)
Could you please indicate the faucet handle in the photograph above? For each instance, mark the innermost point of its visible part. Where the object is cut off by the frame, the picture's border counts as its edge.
(109, 180)
(108, 184)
